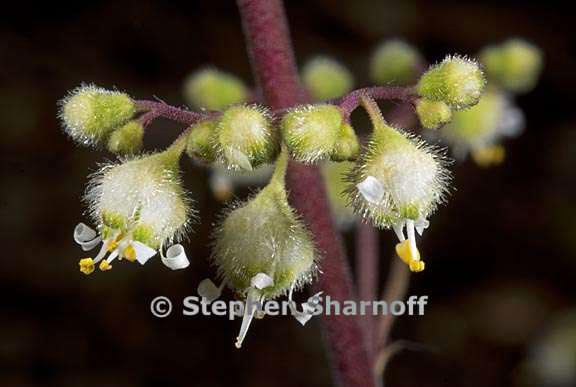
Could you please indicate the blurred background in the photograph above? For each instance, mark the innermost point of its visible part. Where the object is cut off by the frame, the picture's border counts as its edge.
(501, 254)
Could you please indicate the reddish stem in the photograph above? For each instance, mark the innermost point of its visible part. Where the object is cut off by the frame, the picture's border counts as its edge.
(367, 257)
(270, 49)
(161, 109)
(351, 101)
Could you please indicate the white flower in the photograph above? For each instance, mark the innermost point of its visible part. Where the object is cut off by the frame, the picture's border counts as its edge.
(139, 207)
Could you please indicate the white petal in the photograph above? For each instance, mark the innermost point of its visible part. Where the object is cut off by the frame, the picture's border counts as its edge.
(176, 258)
(371, 189)
(261, 281)
(411, 237)
(83, 233)
(512, 122)
(143, 252)
(421, 225)
(87, 246)
(234, 156)
(308, 309)
(208, 291)
(249, 310)
(399, 230)
(302, 318)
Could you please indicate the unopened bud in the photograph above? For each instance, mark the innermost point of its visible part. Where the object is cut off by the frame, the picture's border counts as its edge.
(311, 132)
(325, 78)
(90, 113)
(245, 138)
(201, 141)
(457, 81)
(515, 65)
(214, 89)
(347, 146)
(127, 139)
(432, 114)
(395, 62)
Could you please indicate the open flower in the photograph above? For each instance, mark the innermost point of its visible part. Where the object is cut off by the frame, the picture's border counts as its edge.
(139, 207)
(262, 249)
(398, 183)
(479, 130)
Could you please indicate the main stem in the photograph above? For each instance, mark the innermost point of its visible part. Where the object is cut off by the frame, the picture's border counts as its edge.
(274, 66)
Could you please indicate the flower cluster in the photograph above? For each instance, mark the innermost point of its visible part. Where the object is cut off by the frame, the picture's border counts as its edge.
(262, 248)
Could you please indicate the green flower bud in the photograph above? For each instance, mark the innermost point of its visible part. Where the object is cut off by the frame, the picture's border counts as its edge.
(395, 62)
(325, 78)
(127, 139)
(201, 141)
(214, 90)
(244, 138)
(457, 81)
(515, 65)
(311, 132)
(347, 146)
(89, 113)
(432, 114)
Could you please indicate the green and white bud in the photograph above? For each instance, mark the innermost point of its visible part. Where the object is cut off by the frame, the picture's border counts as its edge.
(347, 147)
(479, 129)
(245, 138)
(432, 114)
(127, 140)
(398, 182)
(214, 90)
(514, 65)
(326, 78)
(395, 62)
(311, 132)
(201, 141)
(139, 206)
(262, 249)
(89, 113)
(457, 81)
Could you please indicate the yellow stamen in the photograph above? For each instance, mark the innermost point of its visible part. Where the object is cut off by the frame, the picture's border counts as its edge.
(405, 254)
(489, 155)
(105, 266)
(129, 253)
(111, 246)
(86, 265)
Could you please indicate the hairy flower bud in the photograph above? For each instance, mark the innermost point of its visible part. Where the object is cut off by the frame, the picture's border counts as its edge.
(214, 89)
(326, 78)
(457, 81)
(347, 147)
(479, 129)
(311, 132)
(89, 113)
(514, 65)
(127, 139)
(244, 138)
(139, 206)
(395, 62)
(201, 141)
(432, 114)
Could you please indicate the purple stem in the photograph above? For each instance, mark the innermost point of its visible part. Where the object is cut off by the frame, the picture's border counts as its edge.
(367, 257)
(274, 67)
(351, 101)
(160, 109)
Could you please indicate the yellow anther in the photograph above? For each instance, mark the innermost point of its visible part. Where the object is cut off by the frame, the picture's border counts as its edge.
(405, 253)
(105, 266)
(111, 246)
(416, 266)
(489, 155)
(129, 253)
(86, 265)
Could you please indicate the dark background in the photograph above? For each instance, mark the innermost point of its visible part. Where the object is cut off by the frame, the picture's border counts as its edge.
(501, 254)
